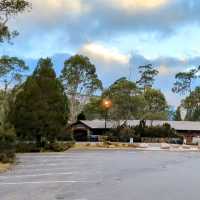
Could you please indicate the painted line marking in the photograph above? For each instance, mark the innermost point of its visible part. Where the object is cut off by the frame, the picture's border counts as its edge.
(44, 164)
(44, 169)
(44, 182)
(35, 175)
(48, 156)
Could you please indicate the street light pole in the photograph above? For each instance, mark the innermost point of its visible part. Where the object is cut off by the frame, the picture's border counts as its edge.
(107, 104)
(106, 114)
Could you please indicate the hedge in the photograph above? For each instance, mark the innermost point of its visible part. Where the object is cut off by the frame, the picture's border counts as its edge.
(7, 147)
(123, 134)
(32, 147)
(59, 146)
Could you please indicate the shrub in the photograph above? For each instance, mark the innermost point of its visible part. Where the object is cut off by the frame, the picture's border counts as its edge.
(164, 131)
(59, 146)
(31, 147)
(7, 144)
(123, 134)
(27, 147)
(65, 135)
(104, 138)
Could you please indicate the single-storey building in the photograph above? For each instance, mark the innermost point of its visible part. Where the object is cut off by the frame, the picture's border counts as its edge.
(86, 129)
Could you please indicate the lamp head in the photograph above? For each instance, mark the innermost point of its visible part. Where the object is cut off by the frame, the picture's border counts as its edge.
(107, 103)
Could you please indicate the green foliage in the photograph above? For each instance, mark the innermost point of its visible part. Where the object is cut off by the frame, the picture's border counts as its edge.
(147, 76)
(59, 146)
(27, 147)
(65, 135)
(184, 81)
(79, 74)
(31, 147)
(41, 107)
(8, 9)
(128, 102)
(192, 104)
(11, 71)
(80, 81)
(81, 116)
(156, 107)
(122, 134)
(93, 109)
(7, 144)
(126, 99)
(164, 131)
(11, 74)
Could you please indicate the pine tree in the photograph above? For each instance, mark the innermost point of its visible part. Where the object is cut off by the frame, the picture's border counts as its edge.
(40, 111)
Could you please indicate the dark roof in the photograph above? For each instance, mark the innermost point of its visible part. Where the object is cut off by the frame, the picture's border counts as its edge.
(177, 125)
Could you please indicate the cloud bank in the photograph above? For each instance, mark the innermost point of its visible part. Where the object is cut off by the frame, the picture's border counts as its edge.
(95, 28)
(67, 24)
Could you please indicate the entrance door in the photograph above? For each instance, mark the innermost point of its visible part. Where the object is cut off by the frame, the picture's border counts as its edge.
(80, 135)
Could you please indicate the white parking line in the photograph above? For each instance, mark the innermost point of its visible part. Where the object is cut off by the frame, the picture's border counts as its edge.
(44, 182)
(44, 164)
(46, 169)
(35, 175)
(49, 156)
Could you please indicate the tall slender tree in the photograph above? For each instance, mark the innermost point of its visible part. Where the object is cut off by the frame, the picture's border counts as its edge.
(80, 81)
(8, 9)
(147, 76)
(183, 84)
(12, 71)
(192, 104)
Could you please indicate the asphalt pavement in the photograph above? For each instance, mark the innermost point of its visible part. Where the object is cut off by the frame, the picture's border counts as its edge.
(103, 175)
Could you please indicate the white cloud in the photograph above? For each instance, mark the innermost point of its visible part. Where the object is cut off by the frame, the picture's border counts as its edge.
(75, 6)
(110, 63)
(139, 4)
(52, 14)
(107, 55)
(167, 71)
(61, 6)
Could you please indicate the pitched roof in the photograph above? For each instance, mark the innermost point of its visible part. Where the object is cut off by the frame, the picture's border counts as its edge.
(177, 125)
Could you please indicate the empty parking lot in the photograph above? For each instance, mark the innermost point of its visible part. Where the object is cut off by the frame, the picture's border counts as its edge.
(103, 175)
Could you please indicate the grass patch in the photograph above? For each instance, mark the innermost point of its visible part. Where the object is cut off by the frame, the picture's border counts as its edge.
(4, 167)
(110, 145)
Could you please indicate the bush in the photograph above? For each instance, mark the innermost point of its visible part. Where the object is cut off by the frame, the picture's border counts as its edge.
(27, 147)
(123, 134)
(65, 135)
(7, 145)
(59, 146)
(7, 156)
(31, 147)
(164, 131)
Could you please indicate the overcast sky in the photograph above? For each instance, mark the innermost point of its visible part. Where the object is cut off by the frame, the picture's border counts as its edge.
(117, 35)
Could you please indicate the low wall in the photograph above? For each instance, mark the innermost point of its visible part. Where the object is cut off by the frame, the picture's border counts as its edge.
(160, 140)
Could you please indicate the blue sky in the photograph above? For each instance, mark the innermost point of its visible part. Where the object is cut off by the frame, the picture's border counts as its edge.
(115, 34)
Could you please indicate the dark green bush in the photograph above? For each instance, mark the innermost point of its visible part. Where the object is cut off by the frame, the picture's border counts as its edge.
(122, 134)
(65, 135)
(23, 147)
(7, 156)
(27, 147)
(164, 131)
(7, 145)
(59, 146)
